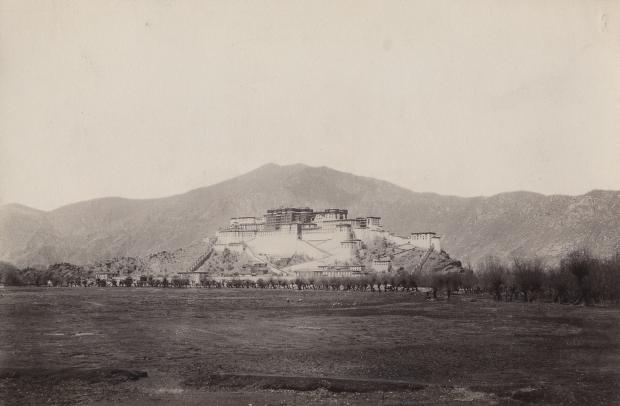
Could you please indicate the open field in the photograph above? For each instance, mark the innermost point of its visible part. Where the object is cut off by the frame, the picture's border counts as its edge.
(241, 346)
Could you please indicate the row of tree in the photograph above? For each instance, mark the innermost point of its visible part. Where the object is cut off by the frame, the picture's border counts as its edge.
(370, 282)
(579, 278)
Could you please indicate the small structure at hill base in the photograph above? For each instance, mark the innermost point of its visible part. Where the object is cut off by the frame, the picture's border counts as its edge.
(332, 271)
(256, 268)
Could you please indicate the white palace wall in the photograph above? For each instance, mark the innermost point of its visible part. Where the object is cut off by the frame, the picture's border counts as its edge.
(397, 239)
(367, 235)
(436, 243)
(329, 233)
(239, 236)
(317, 235)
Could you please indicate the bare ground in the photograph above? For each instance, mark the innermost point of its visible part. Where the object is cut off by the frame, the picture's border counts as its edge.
(242, 346)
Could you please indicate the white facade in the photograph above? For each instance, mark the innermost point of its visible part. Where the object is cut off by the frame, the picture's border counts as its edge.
(426, 240)
(373, 222)
(382, 265)
(436, 243)
(352, 244)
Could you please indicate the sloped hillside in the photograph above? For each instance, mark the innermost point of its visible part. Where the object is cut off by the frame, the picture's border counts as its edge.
(409, 259)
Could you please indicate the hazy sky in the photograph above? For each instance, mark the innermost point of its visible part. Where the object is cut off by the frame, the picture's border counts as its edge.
(151, 98)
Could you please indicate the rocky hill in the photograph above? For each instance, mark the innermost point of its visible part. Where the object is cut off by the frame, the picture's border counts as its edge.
(508, 224)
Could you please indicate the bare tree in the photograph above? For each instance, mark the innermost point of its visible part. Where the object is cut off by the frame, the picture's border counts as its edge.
(529, 275)
(580, 263)
(493, 276)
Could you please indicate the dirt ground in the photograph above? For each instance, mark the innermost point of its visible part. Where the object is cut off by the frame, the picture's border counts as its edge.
(142, 346)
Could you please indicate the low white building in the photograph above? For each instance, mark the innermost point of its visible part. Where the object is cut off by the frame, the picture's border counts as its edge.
(332, 271)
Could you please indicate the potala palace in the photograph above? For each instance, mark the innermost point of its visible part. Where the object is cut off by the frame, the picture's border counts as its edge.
(329, 241)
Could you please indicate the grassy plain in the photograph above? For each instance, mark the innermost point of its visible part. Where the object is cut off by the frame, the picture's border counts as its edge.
(253, 346)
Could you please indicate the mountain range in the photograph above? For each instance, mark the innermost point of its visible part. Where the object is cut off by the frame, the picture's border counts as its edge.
(503, 225)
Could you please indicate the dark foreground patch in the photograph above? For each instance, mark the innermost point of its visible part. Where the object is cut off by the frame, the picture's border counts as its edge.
(63, 386)
(57, 376)
(302, 383)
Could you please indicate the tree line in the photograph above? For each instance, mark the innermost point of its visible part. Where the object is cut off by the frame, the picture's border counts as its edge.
(579, 277)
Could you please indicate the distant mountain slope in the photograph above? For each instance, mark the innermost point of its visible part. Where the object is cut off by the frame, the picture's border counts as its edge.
(518, 223)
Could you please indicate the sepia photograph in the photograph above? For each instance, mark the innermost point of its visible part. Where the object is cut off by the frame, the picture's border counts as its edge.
(310, 202)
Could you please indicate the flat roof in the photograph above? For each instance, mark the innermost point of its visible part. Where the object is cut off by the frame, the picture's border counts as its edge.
(285, 209)
(341, 266)
(235, 230)
(339, 220)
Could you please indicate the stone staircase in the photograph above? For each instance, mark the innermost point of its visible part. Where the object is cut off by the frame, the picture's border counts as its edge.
(262, 258)
(427, 254)
(200, 261)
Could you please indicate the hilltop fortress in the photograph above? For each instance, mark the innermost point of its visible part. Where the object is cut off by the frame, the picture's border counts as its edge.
(327, 240)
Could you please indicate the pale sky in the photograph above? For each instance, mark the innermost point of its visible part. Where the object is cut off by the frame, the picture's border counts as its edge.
(151, 98)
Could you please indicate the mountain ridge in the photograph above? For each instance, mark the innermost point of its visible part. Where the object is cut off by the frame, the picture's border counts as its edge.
(274, 165)
(504, 224)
